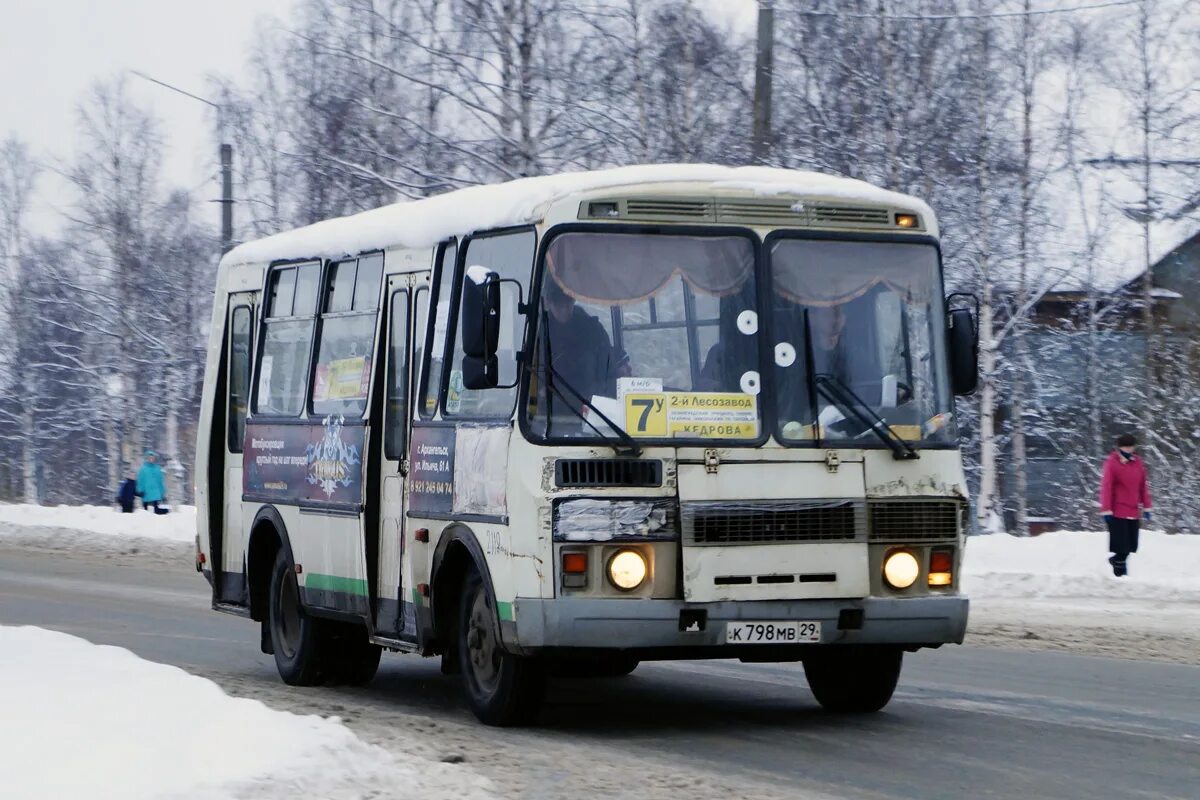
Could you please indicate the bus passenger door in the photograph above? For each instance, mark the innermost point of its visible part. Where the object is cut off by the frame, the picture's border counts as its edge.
(392, 464)
(229, 573)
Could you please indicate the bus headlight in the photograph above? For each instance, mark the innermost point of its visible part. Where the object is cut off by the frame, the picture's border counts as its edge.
(627, 570)
(900, 569)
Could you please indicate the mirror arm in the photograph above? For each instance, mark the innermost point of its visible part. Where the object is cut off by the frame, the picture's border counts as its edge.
(522, 307)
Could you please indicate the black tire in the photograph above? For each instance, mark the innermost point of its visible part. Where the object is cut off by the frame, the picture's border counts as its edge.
(854, 680)
(353, 660)
(614, 666)
(502, 689)
(299, 640)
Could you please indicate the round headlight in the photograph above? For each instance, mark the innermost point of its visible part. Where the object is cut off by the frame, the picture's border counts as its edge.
(627, 569)
(900, 569)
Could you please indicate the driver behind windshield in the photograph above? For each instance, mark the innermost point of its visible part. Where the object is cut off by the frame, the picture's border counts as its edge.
(843, 352)
(580, 350)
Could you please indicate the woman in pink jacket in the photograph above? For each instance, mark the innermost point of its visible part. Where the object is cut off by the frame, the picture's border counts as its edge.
(1124, 500)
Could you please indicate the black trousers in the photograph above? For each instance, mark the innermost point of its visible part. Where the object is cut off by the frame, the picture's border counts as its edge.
(1123, 537)
(152, 504)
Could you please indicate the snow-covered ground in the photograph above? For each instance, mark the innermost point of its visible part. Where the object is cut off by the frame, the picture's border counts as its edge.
(177, 526)
(1074, 565)
(86, 720)
(1057, 592)
(1054, 591)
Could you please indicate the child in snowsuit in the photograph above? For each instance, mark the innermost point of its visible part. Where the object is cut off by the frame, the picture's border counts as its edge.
(127, 494)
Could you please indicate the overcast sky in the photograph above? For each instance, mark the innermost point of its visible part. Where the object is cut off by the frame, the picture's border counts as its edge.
(51, 51)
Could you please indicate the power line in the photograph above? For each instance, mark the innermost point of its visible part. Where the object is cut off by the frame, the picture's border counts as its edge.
(955, 17)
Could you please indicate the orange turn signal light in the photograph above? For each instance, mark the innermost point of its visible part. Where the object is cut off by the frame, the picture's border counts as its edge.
(574, 563)
(907, 220)
(941, 567)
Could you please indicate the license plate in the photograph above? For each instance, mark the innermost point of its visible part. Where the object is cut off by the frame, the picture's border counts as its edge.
(803, 632)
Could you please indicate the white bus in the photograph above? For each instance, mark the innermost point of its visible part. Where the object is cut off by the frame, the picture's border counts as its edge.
(575, 422)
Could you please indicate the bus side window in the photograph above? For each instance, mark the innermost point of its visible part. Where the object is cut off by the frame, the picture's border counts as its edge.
(239, 375)
(511, 256)
(346, 337)
(435, 335)
(282, 367)
(395, 416)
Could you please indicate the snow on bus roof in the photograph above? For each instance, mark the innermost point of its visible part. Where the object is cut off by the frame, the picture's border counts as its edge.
(424, 223)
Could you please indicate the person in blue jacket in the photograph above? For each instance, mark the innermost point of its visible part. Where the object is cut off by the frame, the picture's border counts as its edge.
(150, 484)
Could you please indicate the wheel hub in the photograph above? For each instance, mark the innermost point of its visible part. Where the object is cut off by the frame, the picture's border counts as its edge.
(483, 649)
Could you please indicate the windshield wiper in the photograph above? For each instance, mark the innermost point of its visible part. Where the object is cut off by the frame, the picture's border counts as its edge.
(844, 396)
(554, 377)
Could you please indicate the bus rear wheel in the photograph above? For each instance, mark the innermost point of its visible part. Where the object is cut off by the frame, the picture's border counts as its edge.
(854, 680)
(502, 688)
(299, 640)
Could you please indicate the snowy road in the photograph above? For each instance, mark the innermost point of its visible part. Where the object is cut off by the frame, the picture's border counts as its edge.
(966, 721)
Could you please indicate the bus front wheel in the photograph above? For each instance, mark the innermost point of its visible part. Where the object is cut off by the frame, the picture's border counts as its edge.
(853, 680)
(501, 688)
(300, 641)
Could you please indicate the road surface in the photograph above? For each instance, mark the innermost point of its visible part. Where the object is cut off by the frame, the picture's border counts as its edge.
(965, 722)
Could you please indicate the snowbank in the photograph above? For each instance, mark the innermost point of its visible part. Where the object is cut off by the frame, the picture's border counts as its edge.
(178, 526)
(82, 720)
(1074, 564)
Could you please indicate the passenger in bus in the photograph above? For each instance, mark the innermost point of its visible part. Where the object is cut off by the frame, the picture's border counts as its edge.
(580, 350)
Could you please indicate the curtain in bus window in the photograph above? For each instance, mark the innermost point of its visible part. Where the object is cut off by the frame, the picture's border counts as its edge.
(614, 269)
(829, 273)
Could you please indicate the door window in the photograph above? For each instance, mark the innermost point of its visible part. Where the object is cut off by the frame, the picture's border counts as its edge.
(396, 402)
(239, 375)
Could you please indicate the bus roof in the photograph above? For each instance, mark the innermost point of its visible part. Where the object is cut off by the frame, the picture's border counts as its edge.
(425, 222)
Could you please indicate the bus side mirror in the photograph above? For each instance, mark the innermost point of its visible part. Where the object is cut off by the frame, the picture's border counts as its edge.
(480, 328)
(964, 351)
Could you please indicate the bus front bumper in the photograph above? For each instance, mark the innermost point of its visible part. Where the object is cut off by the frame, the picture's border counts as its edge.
(652, 624)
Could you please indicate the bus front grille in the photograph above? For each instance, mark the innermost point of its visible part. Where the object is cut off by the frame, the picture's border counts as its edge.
(768, 522)
(914, 520)
(583, 472)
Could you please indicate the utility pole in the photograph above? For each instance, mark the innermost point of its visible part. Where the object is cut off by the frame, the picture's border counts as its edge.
(174, 468)
(764, 68)
(226, 198)
(226, 156)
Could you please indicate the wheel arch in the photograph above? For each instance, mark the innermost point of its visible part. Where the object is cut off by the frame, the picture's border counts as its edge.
(268, 535)
(457, 551)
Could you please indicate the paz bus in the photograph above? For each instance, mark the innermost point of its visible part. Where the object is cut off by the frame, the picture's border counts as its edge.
(570, 423)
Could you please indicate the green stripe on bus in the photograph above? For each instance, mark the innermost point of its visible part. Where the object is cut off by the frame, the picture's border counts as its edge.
(333, 583)
(505, 610)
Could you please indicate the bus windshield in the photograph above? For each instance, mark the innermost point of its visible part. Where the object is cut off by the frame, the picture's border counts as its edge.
(656, 332)
(659, 334)
(858, 335)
